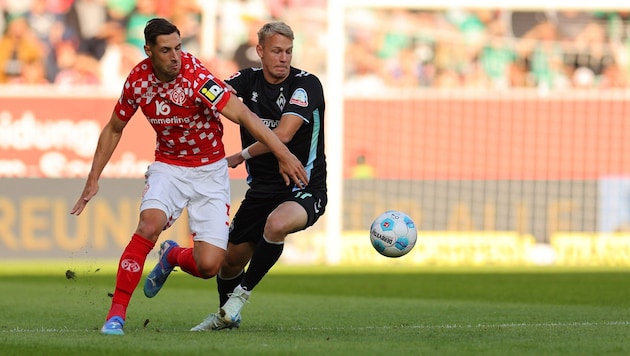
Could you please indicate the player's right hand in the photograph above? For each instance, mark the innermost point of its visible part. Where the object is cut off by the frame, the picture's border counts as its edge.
(88, 193)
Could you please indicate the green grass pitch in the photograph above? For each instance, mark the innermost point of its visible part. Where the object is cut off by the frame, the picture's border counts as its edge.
(325, 311)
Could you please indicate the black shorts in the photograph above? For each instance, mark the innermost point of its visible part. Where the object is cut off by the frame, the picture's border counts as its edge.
(249, 221)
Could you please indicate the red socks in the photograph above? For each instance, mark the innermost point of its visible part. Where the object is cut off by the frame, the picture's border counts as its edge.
(131, 266)
(130, 270)
(183, 257)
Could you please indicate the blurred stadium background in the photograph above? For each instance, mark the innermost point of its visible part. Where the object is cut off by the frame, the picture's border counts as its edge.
(501, 129)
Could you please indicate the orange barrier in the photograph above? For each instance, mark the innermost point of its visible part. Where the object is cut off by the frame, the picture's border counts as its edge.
(526, 137)
(55, 137)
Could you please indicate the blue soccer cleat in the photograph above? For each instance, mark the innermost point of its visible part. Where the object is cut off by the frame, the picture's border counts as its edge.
(113, 326)
(159, 273)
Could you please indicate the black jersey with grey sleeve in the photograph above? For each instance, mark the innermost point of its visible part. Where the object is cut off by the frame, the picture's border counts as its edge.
(301, 94)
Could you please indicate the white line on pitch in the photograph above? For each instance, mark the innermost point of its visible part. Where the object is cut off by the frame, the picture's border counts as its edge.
(297, 328)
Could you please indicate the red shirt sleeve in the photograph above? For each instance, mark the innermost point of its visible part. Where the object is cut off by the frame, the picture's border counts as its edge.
(214, 93)
(126, 105)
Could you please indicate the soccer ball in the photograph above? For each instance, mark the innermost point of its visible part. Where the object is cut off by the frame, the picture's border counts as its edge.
(393, 233)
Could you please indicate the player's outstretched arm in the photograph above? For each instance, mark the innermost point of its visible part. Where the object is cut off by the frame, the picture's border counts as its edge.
(288, 127)
(291, 168)
(107, 142)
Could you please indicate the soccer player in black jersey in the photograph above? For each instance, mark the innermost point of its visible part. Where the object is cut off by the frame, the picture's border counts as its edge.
(290, 101)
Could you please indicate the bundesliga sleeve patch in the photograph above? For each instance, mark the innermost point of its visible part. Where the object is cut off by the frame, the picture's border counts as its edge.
(299, 98)
(211, 91)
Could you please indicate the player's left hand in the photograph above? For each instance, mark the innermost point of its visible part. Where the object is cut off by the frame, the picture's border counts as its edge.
(234, 160)
(292, 169)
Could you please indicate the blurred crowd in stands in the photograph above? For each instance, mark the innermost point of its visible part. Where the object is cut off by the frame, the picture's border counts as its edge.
(496, 49)
(70, 43)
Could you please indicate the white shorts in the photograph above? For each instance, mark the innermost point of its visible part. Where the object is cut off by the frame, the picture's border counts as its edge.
(204, 191)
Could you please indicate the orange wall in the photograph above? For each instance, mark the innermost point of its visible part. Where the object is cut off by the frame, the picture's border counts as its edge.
(31, 128)
(488, 138)
(420, 138)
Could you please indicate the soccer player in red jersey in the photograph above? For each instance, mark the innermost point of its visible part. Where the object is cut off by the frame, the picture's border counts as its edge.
(291, 101)
(182, 101)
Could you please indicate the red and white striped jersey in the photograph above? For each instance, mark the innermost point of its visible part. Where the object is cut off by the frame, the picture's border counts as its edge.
(184, 112)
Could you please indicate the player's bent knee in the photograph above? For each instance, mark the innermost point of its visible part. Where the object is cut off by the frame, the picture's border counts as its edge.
(276, 229)
(208, 269)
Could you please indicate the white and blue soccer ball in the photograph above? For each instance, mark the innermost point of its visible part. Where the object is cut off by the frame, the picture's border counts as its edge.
(393, 233)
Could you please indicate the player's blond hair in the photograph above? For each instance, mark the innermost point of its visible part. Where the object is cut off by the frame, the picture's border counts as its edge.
(272, 28)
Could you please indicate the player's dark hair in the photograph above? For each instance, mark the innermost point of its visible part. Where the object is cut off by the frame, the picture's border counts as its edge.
(156, 27)
(272, 28)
